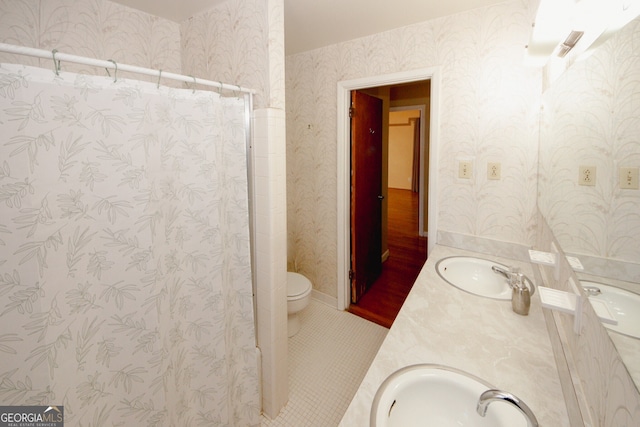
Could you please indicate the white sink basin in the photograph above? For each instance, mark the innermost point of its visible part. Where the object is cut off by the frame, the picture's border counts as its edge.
(476, 276)
(624, 305)
(434, 395)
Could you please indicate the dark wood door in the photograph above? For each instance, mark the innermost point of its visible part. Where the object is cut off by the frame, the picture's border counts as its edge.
(366, 192)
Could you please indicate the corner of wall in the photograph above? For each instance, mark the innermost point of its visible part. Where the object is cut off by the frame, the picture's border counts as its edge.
(270, 224)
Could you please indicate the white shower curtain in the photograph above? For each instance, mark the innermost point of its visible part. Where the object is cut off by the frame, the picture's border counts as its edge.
(125, 278)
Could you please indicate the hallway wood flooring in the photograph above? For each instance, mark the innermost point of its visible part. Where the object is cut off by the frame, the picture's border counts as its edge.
(407, 254)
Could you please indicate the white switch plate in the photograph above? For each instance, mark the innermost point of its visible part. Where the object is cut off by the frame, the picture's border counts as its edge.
(465, 169)
(629, 178)
(587, 175)
(493, 170)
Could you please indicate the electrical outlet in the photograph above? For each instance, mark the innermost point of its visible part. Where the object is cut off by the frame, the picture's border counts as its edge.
(629, 178)
(493, 170)
(587, 175)
(465, 169)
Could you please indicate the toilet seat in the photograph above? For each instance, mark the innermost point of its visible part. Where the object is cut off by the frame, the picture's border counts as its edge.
(297, 285)
(298, 297)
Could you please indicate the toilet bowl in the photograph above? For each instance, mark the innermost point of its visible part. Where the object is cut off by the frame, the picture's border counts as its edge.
(298, 297)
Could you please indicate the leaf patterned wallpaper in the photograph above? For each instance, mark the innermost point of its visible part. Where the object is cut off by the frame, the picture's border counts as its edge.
(591, 117)
(240, 41)
(93, 28)
(489, 113)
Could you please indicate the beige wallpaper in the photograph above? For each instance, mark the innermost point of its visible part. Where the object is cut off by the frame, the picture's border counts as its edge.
(93, 28)
(239, 41)
(489, 113)
(591, 117)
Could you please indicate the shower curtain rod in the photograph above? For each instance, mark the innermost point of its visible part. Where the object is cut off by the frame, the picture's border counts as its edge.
(58, 57)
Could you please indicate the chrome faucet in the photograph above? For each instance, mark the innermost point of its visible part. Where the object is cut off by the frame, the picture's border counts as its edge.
(512, 275)
(515, 279)
(592, 290)
(501, 271)
(494, 395)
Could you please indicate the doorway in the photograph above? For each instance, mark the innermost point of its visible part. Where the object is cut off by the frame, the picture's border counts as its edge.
(344, 164)
(417, 118)
(402, 163)
(407, 254)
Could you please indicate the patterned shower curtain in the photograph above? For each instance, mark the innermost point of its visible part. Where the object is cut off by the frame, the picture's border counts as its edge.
(125, 278)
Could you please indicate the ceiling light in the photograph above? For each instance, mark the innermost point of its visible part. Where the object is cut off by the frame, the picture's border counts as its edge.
(570, 42)
(563, 26)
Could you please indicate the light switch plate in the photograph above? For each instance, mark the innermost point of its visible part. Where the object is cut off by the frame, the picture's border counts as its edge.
(465, 169)
(629, 178)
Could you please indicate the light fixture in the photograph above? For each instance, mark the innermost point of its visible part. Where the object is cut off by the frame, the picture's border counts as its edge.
(569, 43)
(564, 26)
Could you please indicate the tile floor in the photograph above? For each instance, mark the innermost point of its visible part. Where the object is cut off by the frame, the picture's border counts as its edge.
(327, 360)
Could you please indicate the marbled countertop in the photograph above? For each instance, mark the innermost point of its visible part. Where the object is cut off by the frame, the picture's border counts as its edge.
(441, 324)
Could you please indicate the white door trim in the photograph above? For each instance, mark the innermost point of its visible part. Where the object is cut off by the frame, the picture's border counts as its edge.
(344, 164)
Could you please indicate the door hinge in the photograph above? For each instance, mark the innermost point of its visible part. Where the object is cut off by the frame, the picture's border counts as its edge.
(351, 274)
(352, 111)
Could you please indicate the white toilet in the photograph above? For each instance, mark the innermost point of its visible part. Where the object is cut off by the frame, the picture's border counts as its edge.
(298, 297)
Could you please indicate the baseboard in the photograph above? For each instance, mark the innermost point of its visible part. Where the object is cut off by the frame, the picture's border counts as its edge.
(259, 363)
(325, 299)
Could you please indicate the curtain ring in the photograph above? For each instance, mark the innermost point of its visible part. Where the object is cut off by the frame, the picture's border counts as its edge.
(159, 77)
(115, 73)
(220, 88)
(194, 83)
(56, 63)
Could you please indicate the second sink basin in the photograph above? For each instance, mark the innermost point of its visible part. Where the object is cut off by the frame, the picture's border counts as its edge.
(476, 276)
(434, 395)
(624, 305)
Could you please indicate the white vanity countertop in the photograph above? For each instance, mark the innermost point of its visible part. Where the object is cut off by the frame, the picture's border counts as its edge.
(442, 324)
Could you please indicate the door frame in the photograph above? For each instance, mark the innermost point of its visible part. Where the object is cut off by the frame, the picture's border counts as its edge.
(344, 164)
(421, 189)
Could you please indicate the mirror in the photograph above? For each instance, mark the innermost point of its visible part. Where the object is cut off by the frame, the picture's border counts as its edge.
(589, 160)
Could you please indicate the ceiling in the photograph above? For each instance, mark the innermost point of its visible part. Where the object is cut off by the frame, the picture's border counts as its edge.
(310, 24)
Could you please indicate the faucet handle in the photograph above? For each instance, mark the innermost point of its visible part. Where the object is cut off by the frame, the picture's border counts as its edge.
(519, 281)
(515, 276)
